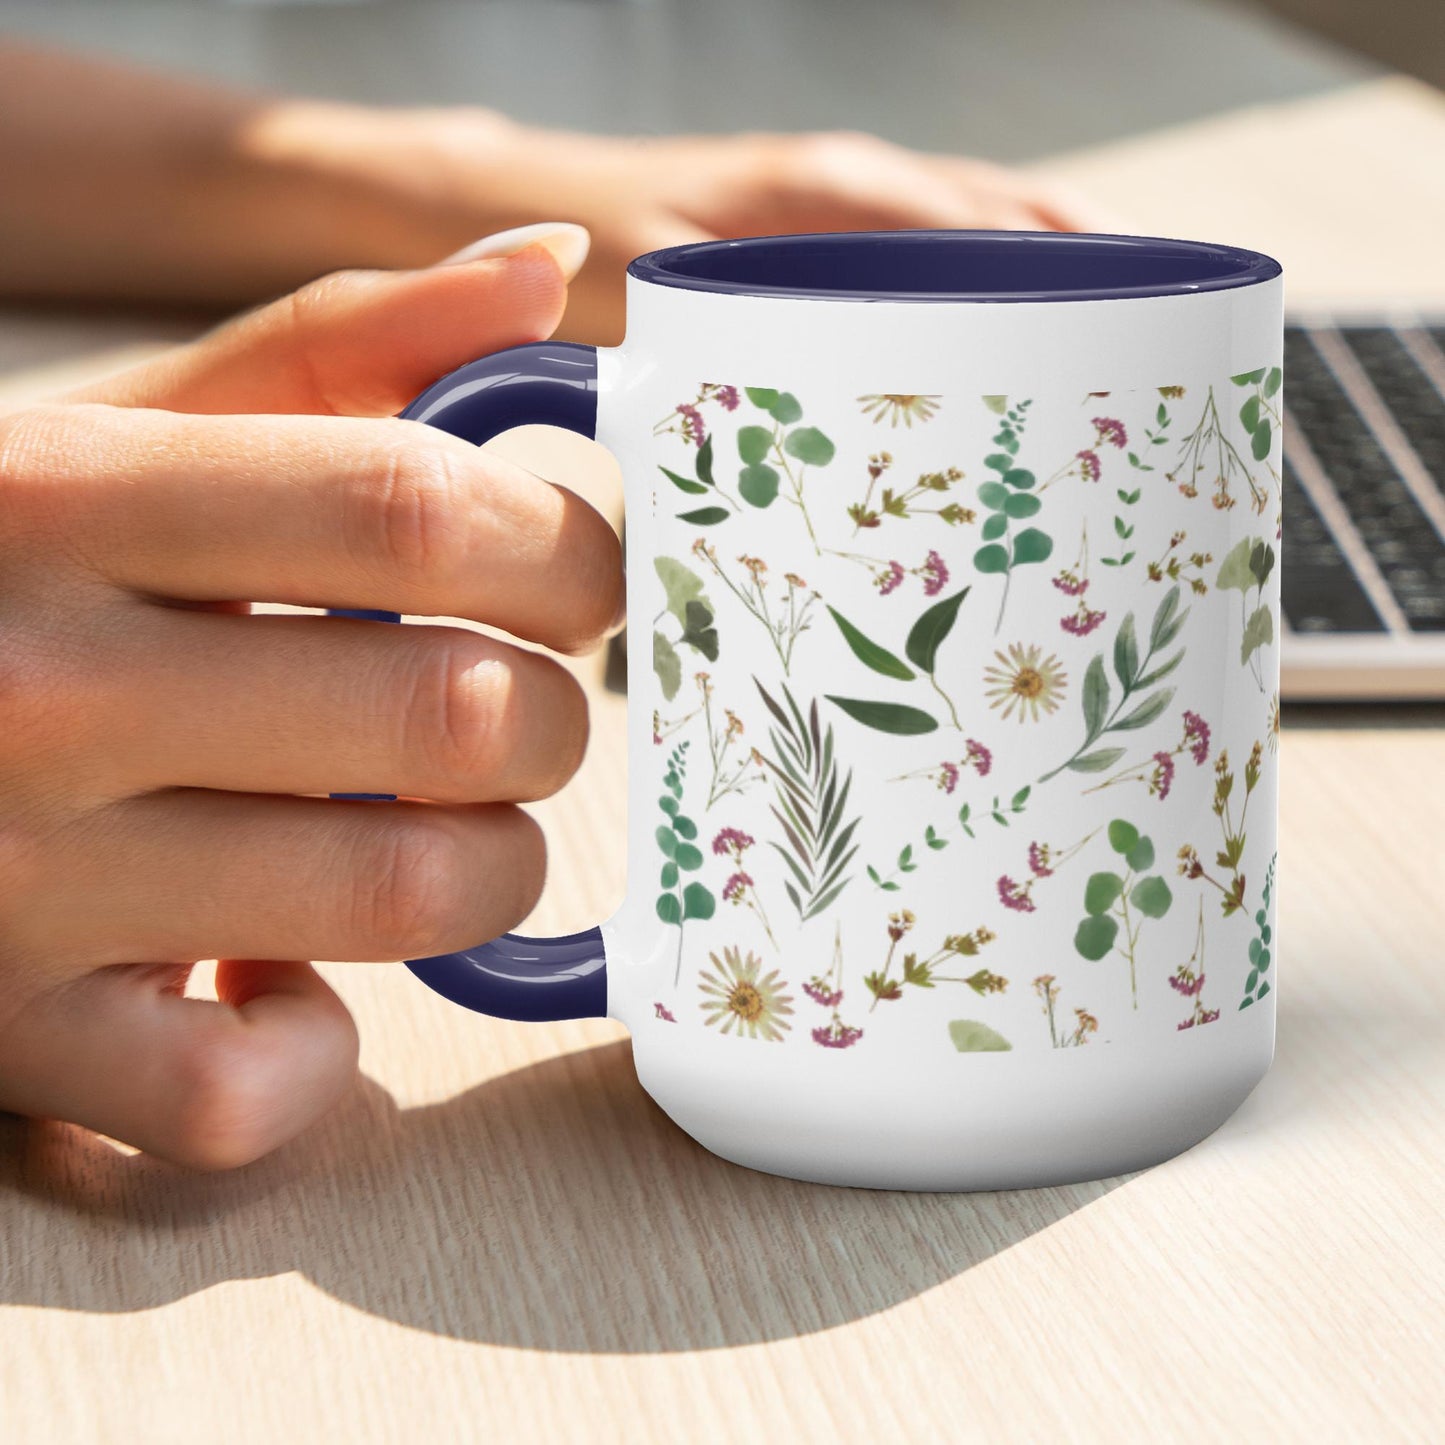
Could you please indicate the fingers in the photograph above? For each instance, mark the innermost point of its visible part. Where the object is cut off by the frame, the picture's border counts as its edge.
(356, 343)
(195, 874)
(331, 511)
(273, 704)
(203, 1083)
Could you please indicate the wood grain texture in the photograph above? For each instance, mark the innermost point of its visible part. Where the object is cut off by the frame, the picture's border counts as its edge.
(498, 1236)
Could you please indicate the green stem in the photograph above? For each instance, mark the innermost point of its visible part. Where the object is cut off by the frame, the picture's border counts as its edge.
(952, 711)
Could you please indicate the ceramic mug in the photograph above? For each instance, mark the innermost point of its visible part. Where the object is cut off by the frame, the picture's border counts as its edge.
(952, 804)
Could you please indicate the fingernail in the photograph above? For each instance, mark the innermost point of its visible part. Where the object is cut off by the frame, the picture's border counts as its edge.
(568, 243)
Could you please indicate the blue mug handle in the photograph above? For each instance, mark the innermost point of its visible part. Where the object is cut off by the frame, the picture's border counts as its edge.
(553, 383)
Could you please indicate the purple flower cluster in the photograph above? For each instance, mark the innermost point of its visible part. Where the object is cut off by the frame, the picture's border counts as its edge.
(1039, 860)
(726, 397)
(732, 841)
(934, 573)
(1014, 897)
(890, 579)
(1206, 1016)
(1162, 778)
(837, 1036)
(1070, 583)
(1111, 431)
(692, 423)
(736, 887)
(978, 757)
(1089, 467)
(1196, 737)
(1082, 622)
(948, 777)
(817, 989)
(662, 1011)
(1187, 982)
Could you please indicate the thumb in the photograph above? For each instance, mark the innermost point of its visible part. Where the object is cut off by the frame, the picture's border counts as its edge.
(363, 343)
(211, 1084)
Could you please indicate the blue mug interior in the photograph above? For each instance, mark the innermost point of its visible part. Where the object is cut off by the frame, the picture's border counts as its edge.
(955, 266)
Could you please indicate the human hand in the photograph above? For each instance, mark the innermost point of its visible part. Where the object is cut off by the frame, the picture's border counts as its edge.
(453, 172)
(164, 755)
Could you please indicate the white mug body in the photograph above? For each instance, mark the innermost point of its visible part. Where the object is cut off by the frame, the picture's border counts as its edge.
(953, 725)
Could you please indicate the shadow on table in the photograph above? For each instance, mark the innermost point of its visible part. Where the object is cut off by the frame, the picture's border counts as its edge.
(553, 1208)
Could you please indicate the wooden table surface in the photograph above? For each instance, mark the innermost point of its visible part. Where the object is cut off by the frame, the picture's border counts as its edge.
(499, 1236)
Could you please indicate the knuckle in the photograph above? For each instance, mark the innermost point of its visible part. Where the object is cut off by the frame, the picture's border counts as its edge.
(416, 895)
(462, 719)
(416, 525)
(27, 438)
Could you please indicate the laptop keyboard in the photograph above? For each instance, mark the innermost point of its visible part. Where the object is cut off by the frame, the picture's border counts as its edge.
(1364, 518)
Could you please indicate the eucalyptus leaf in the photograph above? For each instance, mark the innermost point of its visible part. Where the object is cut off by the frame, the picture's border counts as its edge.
(1123, 835)
(1101, 893)
(886, 717)
(668, 908)
(994, 526)
(758, 485)
(1095, 936)
(992, 558)
(697, 902)
(1261, 439)
(1032, 545)
(762, 396)
(1151, 896)
(754, 443)
(1273, 380)
(810, 446)
(1141, 856)
(1022, 504)
(993, 495)
(868, 652)
(786, 409)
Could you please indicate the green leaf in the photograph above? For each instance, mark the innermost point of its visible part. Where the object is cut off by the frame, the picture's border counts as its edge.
(1095, 936)
(681, 584)
(1126, 653)
(666, 840)
(1141, 856)
(999, 462)
(1095, 698)
(667, 665)
(698, 631)
(992, 558)
(1273, 380)
(1151, 896)
(1032, 545)
(684, 827)
(1261, 440)
(1021, 797)
(1123, 836)
(754, 443)
(926, 635)
(1248, 378)
(688, 857)
(1019, 477)
(668, 876)
(758, 485)
(971, 1037)
(886, 717)
(762, 396)
(993, 494)
(994, 526)
(868, 652)
(1261, 562)
(697, 902)
(1168, 619)
(1122, 529)
(1255, 947)
(996, 404)
(669, 909)
(685, 484)
(668, 804)
(1145, 713)
(786, 409)
(1022, 504)
(1249, 413)
(1096, 762)
(704, 461)
(705, 516)
(1234, 573)
(1159, 673)
(1258, 632)
(1101, 893)
(810, 446)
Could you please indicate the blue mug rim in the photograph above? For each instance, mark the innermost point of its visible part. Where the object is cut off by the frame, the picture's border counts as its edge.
(1039, 265)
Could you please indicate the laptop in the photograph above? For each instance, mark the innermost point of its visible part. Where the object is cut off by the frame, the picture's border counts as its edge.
(1363, 572)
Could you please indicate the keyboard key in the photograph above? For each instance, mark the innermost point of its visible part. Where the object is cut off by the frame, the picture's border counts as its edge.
(1320, 591)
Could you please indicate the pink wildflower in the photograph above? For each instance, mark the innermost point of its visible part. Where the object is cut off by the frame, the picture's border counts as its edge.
(1014, 897)
(979, 757)
(692, 423)
(817, 989)
(948, 777)
(890, 579)
(1163, 776)
(1111, 431)
(837, 1036)
(661, 1011)
(1070, 583)
(1082, 622)
(727, 397)
(735, 887)
(1039, 860)
(1196, 735)
(732, 841)
(1187, 982)
(934, 573)
(1089, 467)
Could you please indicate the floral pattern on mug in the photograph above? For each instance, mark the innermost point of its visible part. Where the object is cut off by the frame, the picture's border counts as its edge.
(898, 753)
